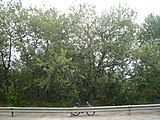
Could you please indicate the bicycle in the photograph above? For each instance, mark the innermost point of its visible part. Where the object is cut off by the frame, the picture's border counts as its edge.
(88, 113)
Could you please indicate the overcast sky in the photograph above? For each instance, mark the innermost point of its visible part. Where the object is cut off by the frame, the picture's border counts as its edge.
(143, 7)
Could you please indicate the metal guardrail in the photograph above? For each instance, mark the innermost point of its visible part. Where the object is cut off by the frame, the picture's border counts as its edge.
(128, 108)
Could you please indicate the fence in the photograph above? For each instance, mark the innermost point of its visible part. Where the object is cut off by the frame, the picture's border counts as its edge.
(128, 108)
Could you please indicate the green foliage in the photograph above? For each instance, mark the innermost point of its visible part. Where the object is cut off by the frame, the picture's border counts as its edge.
(53, 59)
(13, 98)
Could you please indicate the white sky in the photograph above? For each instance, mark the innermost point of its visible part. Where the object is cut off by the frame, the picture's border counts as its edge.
(143, 7)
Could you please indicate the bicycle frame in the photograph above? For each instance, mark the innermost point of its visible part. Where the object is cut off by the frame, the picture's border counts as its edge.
(88, 113)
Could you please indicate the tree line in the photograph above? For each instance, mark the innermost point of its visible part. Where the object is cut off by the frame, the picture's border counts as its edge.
(52, 59)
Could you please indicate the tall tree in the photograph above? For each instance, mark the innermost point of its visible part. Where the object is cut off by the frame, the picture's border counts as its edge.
(9, 22)
(148, 57)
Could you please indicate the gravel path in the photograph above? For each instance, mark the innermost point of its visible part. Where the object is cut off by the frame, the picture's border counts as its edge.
(135, 115)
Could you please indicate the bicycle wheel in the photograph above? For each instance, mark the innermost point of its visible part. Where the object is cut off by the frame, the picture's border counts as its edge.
(90, 113)
(75, 113)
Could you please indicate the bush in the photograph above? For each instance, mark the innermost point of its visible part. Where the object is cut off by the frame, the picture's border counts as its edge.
(14, 98)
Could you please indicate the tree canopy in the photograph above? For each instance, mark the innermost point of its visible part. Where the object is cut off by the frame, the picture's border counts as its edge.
(53, 59)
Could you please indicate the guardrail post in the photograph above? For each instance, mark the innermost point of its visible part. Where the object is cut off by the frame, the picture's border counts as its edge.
(129, 110)
(12, 113)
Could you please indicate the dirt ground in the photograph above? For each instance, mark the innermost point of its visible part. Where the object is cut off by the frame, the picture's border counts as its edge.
(135, 115)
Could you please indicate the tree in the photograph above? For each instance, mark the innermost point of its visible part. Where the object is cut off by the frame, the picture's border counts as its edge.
(147, 55)
(117, 32)
(9, 22)
(58, 59)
